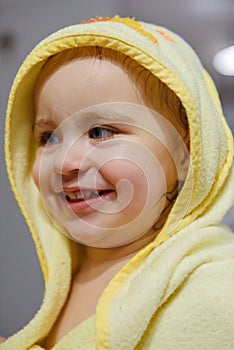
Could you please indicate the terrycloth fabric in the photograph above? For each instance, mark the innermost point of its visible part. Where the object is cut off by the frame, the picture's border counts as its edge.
(177, 293)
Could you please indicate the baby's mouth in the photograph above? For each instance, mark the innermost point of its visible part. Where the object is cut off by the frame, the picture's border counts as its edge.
(84, 195)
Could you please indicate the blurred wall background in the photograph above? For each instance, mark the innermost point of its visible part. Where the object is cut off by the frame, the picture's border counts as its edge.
(207, 24)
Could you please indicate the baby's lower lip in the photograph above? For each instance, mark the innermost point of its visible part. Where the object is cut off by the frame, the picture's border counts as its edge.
(82, 204)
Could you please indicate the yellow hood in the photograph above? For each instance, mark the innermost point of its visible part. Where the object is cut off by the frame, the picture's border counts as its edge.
(172, 60)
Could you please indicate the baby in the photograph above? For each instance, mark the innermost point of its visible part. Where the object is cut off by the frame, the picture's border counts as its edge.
(112, 125)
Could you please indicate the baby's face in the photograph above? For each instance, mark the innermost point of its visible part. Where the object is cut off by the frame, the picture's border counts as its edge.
(105, 161)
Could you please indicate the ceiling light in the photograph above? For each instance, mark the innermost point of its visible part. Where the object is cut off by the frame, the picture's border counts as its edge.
(224, 61)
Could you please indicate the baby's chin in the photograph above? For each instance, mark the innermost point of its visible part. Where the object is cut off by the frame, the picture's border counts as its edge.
(92, 235)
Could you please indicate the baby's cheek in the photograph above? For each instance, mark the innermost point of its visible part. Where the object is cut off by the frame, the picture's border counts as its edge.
(128, 177)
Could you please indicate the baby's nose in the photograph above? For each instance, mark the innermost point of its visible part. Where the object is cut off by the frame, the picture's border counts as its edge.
(72, 157)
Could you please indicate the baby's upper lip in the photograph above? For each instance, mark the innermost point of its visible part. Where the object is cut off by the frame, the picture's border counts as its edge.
(80, 189)
(75, 189)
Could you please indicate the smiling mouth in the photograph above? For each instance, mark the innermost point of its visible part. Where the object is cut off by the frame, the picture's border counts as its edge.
(84, 195)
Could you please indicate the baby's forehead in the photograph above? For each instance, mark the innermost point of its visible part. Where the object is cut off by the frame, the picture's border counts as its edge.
(148, 84)
(93, 54)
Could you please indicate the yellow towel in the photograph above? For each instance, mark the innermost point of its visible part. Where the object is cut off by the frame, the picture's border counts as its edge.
(177, 293)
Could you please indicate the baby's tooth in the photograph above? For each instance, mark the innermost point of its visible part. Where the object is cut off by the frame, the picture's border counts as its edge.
(73, 195)
(85, 194)
(89, 194)
(79, 195)
(94, 194)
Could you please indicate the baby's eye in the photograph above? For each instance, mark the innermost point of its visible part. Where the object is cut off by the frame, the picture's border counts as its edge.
(48, 138)
(102, 132)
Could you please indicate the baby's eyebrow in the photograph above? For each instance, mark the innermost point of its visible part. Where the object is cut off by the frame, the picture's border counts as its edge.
(85, 119)
(104, 116)
(43, 123)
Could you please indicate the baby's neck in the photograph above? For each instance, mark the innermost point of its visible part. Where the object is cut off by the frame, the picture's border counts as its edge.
(105, 258)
